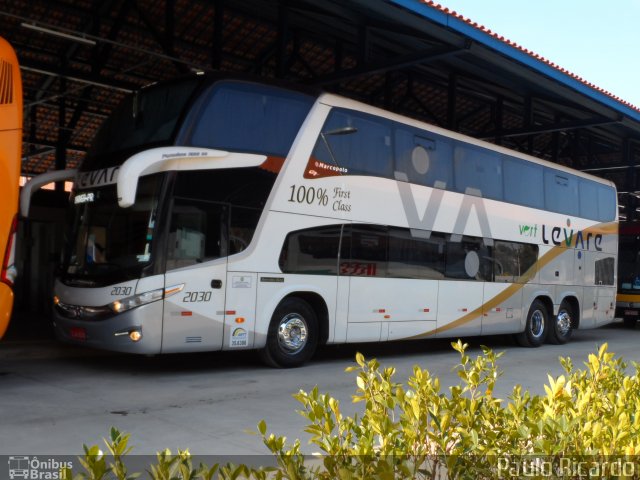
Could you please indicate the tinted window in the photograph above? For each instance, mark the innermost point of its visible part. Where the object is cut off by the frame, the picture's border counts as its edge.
(589, 204)
(414, 257)
(380, 251)
(197, 233)
(356, 141)
(604, 271)
(250, 118)
(364, 251)
(425, 158)
(144, 119)
(221, 206)
(468, 259)
(523, 182)
(512, 260)
(477, 168)
(607, 210)
(561, 192)
(108, 242)
(311, 251)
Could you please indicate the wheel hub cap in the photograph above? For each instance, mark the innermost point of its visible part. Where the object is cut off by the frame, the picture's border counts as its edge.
(537, 323)
(563, 322)
(292, 333)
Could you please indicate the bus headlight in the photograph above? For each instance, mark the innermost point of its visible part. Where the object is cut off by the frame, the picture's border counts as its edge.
(128, 303)
(134, 301)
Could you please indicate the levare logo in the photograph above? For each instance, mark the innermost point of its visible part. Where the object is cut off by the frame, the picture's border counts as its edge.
(568, 237)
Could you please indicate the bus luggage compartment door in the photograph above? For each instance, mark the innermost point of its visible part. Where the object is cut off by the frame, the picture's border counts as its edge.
(194, 317)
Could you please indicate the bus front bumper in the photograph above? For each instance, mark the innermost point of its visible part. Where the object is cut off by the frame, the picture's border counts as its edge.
(136, 331)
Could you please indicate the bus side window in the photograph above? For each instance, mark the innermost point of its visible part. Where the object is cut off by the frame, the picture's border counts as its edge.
(425, 158)
(512, 260)
(357, 142)
(478, 169)
(469, 259)
(197, 233)
(415, 257)
(561, 192)
(311, 251)
(597, 201)
(364, 251)
(604, 271)
(242, 225)
(523, 182)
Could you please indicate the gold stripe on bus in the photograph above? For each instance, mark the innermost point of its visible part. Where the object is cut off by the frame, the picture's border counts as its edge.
(603, 228)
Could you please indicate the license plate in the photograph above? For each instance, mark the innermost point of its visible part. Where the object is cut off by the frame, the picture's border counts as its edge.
(78, 333)
(631, 313)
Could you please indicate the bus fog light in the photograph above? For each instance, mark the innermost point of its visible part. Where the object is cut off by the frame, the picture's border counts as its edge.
(135, 335)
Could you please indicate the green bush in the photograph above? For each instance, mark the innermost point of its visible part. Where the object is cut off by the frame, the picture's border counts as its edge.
(587, 425)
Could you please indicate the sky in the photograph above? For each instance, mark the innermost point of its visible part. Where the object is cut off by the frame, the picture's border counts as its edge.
(595, 39)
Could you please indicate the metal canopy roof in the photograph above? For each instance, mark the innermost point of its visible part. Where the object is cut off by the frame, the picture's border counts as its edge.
(80, 57)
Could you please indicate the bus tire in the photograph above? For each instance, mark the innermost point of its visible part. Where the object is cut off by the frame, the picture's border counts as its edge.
(562, 327)
(536, 326)
(293, 334)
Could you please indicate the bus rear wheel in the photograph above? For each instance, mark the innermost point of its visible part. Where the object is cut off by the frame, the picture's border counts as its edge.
(535, 329)
(560, 331)
(293, 334)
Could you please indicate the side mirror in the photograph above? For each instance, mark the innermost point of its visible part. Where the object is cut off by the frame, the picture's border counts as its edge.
(39, 181)
(175, 158)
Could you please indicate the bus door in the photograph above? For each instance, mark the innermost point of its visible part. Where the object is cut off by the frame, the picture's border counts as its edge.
(512, 264)
(363, 259)
(460, 295)
(605, 291)
(388, 298)
(599, 294)
(196, 264)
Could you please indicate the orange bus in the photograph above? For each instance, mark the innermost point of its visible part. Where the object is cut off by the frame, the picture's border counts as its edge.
(10, 148)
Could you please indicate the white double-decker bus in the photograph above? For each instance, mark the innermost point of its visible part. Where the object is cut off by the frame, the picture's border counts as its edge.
(226, 214)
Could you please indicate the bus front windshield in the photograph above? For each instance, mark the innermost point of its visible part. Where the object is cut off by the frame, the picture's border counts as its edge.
(109, 241)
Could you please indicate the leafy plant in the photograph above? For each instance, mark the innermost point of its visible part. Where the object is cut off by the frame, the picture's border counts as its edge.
(586, 424)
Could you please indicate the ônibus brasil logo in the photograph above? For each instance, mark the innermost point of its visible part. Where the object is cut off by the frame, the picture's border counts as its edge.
(32, 468)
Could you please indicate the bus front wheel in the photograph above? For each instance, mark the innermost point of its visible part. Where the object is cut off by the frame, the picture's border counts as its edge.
(535, 330)
(560, 331)
(293, 334)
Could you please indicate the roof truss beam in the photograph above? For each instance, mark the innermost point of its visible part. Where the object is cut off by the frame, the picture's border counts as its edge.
(554, 127)
(405, 61)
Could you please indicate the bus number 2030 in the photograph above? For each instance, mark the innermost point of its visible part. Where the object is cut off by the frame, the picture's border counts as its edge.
(196, 297)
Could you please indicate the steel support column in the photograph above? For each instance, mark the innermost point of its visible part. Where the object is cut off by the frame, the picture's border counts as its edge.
(452, 121)
(63, 135)
(218, 37)
(283, 39)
